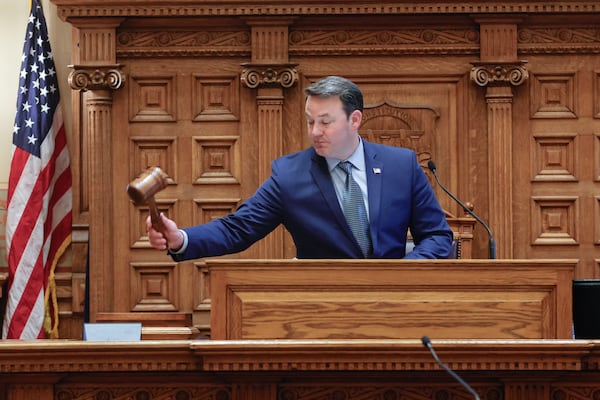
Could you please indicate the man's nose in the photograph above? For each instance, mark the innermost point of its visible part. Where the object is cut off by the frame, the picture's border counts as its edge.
(315, 130)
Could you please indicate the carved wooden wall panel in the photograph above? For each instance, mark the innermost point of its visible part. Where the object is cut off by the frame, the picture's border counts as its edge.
(554, 157)
(505, 98)
(553, 96)
(555, 220)
(562, 156)
(183, 117)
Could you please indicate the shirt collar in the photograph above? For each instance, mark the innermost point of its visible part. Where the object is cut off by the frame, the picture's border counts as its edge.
(357, 158)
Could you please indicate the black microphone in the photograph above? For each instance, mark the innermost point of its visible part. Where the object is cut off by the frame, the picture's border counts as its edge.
(429, 346)
(492, 245)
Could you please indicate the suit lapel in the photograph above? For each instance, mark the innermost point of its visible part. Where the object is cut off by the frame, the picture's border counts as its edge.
(320, 173)
(374, 170)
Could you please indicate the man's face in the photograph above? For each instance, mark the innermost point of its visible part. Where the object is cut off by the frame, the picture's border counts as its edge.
(330, 131)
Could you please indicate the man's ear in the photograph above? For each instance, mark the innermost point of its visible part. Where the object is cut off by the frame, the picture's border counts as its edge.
(356, 119)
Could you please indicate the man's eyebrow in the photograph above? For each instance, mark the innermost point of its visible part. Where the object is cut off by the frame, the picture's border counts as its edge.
(325, 115)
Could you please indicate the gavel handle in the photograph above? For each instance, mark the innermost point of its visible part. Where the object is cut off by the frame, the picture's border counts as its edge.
(155, 216)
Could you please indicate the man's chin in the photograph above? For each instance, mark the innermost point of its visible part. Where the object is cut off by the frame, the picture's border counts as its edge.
(321, 150)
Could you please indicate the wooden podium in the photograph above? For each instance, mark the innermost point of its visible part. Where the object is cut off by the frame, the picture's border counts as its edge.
(391, 299)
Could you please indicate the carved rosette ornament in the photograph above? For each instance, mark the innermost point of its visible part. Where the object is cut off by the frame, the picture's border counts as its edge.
(499, 73)
(84, 77)
(262, 75)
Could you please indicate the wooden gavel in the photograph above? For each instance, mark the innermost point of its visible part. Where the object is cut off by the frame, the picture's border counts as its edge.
(142, 190)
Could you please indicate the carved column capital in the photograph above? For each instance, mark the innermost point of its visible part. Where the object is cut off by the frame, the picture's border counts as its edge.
(263, 75)
(96, 77)
(499, 73)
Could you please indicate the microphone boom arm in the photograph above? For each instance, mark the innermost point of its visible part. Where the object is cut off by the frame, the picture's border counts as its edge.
(492, 242)
(427, 343)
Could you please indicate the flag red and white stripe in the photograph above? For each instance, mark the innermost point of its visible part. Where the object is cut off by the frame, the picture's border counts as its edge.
(39, 200)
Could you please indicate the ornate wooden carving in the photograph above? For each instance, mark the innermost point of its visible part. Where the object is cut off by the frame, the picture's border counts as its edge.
(494, 73)
(142, 43)
(569, 39)
(254, 75)
(96, 77)
(401, 125)
(380, 39)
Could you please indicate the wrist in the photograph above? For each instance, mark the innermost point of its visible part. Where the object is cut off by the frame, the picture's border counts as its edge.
(176, 245)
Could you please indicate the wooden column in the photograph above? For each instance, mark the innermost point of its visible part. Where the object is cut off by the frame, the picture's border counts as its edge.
(499, 71)
(96, 73)
(269, 73)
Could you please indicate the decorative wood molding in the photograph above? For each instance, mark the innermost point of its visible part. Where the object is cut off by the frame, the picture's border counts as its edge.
(459, 40)
(85, 77)
(138, 43)
(261, 75)
(141, 43)
(558, 40)
(493, 73)
(68, 9)
(293, 355)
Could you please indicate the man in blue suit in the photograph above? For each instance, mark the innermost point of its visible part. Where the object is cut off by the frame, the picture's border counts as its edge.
(306, 192)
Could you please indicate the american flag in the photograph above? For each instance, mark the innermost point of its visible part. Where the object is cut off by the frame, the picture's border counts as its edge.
(39, 200)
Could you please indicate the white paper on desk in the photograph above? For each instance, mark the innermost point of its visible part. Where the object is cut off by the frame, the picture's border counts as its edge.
(112, 331)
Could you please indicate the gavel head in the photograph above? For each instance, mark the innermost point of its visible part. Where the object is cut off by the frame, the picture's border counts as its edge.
(145, 186)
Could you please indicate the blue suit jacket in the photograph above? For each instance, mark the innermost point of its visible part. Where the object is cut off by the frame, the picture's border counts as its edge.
(300, 195)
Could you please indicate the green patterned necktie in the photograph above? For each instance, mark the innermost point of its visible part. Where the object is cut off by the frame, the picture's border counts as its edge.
(355, 210)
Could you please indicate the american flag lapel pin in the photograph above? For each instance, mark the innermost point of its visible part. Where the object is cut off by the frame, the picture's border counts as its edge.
(376, 170)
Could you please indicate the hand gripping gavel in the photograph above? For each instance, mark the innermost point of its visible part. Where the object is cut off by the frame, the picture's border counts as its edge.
(142, 190)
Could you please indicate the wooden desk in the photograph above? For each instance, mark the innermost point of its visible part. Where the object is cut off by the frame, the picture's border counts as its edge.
(391, 299)
(298, 369)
